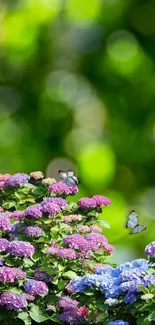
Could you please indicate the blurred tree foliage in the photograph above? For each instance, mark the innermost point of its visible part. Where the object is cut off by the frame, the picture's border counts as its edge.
(77, 84)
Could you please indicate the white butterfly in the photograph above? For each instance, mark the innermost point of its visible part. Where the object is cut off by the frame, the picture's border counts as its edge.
(68, 177)
(133, 224)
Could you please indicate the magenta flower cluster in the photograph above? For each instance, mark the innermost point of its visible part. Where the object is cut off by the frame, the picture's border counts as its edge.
(5, 223)
(10, 274)
(3, 244)
(61, 187)
(94, 202)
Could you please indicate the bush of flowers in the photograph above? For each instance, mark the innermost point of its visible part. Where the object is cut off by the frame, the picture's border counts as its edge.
(52, 260)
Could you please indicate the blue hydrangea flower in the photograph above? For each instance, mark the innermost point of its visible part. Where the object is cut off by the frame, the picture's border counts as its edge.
(118, 322)
(130, 298)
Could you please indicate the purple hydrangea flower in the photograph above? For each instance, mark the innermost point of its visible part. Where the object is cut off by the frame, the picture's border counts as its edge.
(101, 200)
(20, 248)
(13, 301)
(33, 231)
(67, 303)
(3, 244)
(41, 276)
(55, 200)
(87, 202)
(96, 238)
(5, 223)
(33, 211)
(130, 298)
(17, 215)
(1, 261)
(150, 249)
(62, 187)
(10, 274)
(34, 287)
(118, 322)
(17, 180)
(77, 241)
(71, 317)
(51, 208)
(62, 252)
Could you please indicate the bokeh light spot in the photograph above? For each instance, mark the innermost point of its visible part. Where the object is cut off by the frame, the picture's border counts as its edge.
(79, 9)
(57, 164)
(97, 165)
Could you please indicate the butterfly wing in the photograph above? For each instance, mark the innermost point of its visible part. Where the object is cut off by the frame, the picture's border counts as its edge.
(70, 173)
(132, 221)
(72, 181)
(63, 175)
(137, 229)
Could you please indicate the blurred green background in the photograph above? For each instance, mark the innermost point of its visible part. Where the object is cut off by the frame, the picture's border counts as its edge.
(77, 90)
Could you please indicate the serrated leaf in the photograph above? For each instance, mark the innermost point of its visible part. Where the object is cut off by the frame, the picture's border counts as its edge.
(104, 223)
(151, 317)
(23, 315)
(27, 262)
(9, 204)
(37, 314)
(100, 318)
(70, 275)
(61, 284)
(14, 290)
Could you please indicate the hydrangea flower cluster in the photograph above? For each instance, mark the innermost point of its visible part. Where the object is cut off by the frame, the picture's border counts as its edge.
(94, 202)
(10, 274)
(115, 282)
(34, 211)
(150, 249)
(13, 301)
(50, 246)
(33, 231)
(17, 180)
(71, 313)
(5, 223)
(61, 187)
(34, 287)
(20, 248)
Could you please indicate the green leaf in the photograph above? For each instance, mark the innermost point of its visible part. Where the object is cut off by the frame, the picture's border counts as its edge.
(151, 317)
(143, 289)
(37, 314)
(9, 204)
(100, 317)
(104, 223)
(23, 315)
(70, 275)
(25, 318)
(37, 256)
(143, 321)
(14, 290)
(61, 284)
(27, 262)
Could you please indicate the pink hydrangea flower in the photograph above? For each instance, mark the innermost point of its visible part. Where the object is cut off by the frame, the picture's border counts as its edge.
(62, 187)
